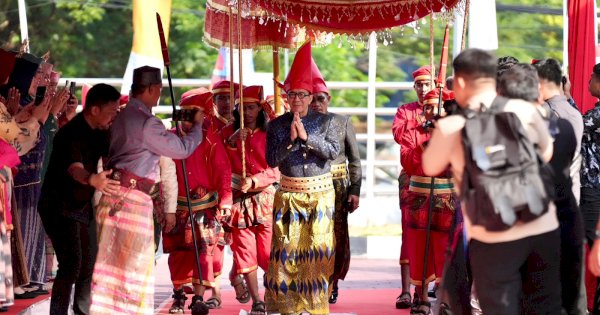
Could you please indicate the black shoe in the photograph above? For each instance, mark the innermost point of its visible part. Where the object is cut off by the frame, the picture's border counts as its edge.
(3, 309)
(333, 297)
(25, 296)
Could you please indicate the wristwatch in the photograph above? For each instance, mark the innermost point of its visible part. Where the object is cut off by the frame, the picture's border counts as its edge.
(597, 234)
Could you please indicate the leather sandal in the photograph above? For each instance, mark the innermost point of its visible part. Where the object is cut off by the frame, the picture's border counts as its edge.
(179, 299)
(213, 303)
(241, 289)
(423, 308)
(258, 308)
(403, 301)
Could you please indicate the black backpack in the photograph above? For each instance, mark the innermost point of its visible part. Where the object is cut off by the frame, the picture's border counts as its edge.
(505, 179)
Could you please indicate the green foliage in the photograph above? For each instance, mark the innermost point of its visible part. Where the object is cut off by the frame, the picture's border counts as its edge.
(92, 38)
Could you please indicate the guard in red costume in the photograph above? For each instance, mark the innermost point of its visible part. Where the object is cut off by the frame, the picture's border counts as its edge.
(402, 122)
(412, 127)
(223, 106)
(252, 212)
(209, 176)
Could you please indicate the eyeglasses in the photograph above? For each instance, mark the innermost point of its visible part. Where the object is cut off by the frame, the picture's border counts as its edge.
(300, 95)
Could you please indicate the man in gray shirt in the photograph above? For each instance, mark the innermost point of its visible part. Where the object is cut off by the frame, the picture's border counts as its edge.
(123, 274)
(550, 74)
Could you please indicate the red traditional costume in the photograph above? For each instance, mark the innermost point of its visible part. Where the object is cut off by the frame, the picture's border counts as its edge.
(209, 178)
(404, 121)
(413, 139)
(252, 217)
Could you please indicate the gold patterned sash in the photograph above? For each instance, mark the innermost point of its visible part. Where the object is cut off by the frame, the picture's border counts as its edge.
(422, 184)
(306, 184)
(338, 171)
(209, 200)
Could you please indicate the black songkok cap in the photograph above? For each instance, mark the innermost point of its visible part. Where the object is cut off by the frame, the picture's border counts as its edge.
(147, 75)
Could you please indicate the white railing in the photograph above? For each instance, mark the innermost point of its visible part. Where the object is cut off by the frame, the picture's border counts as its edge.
(371, 137)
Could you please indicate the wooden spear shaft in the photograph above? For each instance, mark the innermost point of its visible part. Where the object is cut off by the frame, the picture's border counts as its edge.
(276, 88)
(241, 93)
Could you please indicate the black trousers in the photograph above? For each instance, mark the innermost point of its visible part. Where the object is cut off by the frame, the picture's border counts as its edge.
(590, 209)
(518, 277)
(76, 246)
(571, 259)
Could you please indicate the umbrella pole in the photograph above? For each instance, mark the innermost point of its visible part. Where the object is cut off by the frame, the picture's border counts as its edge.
(276, 88)
(231, 87)
(464, 30)
(241, 104)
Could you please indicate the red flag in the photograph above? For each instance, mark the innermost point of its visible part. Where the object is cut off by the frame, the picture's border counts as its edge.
(582, 51)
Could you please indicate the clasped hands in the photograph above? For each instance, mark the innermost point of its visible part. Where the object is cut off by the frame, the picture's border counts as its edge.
(297, 129)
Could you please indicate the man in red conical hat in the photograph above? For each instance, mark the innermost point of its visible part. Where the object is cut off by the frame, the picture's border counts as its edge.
(346, 178)
(209, 178)
(302, 143)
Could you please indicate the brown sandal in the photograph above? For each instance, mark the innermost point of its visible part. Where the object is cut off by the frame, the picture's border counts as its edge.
(403, 301)
(258, 308)
(241, 289)
(213, 303)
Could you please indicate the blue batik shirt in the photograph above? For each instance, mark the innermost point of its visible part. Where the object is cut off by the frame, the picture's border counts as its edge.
(590, 149)
(303, 158)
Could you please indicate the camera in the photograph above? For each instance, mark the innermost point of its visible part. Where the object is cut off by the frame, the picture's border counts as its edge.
(184, 115)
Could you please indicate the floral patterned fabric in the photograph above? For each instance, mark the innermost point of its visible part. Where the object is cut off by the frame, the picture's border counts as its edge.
(590, 149)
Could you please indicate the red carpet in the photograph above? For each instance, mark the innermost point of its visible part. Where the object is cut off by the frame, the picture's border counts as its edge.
(21, 305)
(361, 302)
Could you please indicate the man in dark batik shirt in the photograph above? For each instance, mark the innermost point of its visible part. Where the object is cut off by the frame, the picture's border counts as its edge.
(346, 179)
(302, 143)
(590, 177)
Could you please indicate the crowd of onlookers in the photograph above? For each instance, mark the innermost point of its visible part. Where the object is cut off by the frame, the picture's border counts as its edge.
(32, 108)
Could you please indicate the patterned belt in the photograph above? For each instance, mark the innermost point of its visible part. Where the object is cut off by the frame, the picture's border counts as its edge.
(209, 200)
(422, 184)
(236, 183)
(306, 184)
(338, 171)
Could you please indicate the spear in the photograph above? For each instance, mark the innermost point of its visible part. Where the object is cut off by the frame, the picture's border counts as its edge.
(197, 308)
(440, 84)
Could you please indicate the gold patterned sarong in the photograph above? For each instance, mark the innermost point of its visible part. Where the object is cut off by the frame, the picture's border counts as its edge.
(123, 280)
(303, 247)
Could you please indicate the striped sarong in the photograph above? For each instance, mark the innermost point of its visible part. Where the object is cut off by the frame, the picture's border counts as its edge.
(303, 247)
(123, 280)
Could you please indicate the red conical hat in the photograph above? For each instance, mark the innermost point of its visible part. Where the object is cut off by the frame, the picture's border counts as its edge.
(423, 73)
(252, 94)
(432, 97)
(300, 75)
(201, 99)
(319, 84)
(223, 87)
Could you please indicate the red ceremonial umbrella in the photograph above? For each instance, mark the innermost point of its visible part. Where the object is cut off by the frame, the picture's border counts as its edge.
(258, 30)
(353, 16)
